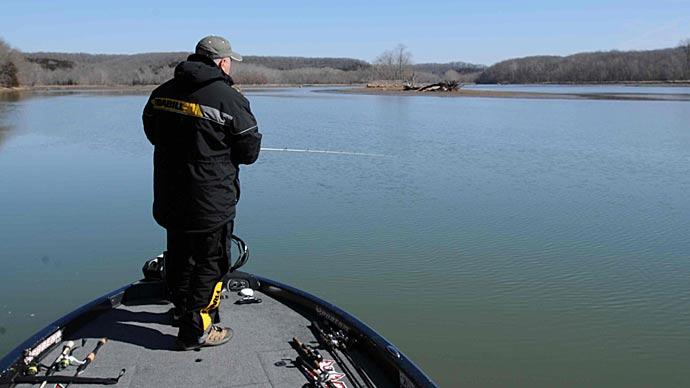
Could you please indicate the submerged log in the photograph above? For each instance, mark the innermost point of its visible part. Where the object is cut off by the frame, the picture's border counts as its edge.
(446, 86)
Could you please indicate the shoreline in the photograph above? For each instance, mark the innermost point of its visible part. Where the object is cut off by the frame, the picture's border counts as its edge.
(149, 88)
(363, 90)
(605, 83)
(508, 94)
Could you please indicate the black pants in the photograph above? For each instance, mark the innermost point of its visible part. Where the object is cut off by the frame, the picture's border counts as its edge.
(195, 265)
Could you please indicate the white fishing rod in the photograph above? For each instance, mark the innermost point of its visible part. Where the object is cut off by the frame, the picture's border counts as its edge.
(310, 151)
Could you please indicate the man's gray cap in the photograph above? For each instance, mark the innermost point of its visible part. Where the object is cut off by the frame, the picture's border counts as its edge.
(216, 47)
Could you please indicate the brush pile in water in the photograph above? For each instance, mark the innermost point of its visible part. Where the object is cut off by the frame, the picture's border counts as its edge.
(445, 86)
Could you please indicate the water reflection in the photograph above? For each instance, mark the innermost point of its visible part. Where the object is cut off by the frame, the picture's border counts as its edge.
(10, 96)
(4, 132)
(6, 98)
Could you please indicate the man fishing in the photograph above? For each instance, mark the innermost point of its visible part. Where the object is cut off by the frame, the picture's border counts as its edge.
(202, 129)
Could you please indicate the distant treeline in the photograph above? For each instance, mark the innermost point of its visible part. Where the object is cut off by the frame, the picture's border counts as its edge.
(613, 66)
(154, 68)
(452, 71)
(45, 68)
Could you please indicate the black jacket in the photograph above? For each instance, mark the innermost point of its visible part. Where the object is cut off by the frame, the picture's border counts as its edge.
(202, 130)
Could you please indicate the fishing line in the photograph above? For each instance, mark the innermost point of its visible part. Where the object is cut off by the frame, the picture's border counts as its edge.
(323, 152)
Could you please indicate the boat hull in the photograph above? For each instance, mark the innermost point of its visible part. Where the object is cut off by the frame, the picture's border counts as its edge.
(398, 369)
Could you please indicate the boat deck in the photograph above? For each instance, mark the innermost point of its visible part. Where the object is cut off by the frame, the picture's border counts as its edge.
(141, 340)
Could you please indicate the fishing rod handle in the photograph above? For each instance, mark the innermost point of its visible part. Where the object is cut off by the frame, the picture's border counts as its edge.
(297, 342)
(92, 356)
(311, 352)
(65, 351)
(301, 348)
(101, 342)
(67, 348)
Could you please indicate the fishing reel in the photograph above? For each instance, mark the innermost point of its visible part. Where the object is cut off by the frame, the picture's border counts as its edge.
(154, 269)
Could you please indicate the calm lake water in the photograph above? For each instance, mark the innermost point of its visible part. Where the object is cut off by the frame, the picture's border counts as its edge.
(499, 242)
(588, 89)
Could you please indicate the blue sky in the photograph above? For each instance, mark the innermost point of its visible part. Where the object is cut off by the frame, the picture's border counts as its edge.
(433, 30)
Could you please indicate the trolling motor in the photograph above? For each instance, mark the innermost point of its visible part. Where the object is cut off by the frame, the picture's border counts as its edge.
(236, 281)
(154, 269)
(233, 281)
(244, 253)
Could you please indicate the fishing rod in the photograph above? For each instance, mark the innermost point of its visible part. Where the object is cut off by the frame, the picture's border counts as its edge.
(66, 350)
(312, 356)
(342, 345)
(91, 357)
(67, 380)
(338, 340)
(64, 359)
(319, 372)
(309, 363)
(70, 359)
(329, 343)
(310, 151)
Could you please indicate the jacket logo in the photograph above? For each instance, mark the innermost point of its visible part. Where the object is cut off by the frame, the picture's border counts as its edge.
(177, 106)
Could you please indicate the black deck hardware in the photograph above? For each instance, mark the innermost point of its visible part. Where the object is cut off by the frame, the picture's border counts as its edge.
(248, 300)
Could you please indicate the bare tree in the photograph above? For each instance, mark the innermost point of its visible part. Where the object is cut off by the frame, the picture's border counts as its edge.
(451, 75)
(403, 60)
(685, 46)
(394, 64)
(385, 65)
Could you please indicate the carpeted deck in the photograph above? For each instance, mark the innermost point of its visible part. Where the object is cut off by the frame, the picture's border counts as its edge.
(141, 340)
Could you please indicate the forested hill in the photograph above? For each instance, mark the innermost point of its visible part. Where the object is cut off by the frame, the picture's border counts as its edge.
(154, 68)
(460, 71)
(612, 66)
(292, 63)
(47, 68)
(68, 60)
